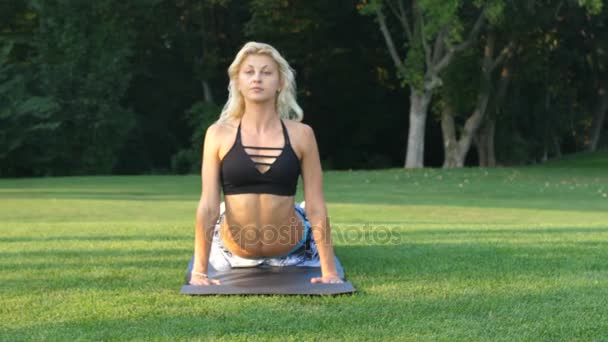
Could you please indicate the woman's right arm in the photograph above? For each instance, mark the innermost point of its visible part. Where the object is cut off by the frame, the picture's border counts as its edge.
(208, 209)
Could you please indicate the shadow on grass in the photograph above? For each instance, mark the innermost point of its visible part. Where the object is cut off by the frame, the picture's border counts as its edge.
(96, 195)
(82, 269)
(355, 188)
(378, 232)
(448, 261)
(555, 314)
(410, 259)
(84, 238)
(391, 233)
(91, 254)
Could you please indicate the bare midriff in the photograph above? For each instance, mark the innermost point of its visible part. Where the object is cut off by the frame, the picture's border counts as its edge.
(260, 225)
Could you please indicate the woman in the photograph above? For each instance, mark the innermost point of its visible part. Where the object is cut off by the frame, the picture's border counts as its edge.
(256, 153)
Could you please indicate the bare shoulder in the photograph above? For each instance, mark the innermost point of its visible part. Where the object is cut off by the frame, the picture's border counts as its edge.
(221, 130)
(301, 135)
(221, 135)
(299, 130)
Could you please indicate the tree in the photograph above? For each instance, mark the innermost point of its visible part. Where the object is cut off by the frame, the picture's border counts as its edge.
(197, 39)
(348, 94)
(554, 87)
(27, 119)
(81, 55)
(533, 31)
(590, 36)
(433, 32)
(456, 148)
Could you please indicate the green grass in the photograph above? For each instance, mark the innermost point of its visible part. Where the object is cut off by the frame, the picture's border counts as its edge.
(583, 159)
(471, 254)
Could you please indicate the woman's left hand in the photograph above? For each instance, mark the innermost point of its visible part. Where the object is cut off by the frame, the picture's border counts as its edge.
(328, 279)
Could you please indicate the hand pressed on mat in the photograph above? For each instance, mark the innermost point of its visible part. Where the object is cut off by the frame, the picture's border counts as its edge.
(203, 280)
(328, 279)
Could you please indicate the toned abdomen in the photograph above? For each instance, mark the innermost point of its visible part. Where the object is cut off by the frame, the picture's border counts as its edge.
(260, 225)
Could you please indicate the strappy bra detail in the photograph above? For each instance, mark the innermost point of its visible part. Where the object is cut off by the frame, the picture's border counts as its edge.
(239, 173)
(265, 148)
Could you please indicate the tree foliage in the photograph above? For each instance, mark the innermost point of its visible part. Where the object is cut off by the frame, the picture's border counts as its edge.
(130, 87)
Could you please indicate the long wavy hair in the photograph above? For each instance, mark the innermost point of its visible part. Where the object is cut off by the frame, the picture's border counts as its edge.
(286, 105)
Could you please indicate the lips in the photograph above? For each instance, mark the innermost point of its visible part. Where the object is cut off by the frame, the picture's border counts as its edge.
(257, 89)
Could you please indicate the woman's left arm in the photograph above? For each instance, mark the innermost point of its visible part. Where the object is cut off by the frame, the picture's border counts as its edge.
(316, 209)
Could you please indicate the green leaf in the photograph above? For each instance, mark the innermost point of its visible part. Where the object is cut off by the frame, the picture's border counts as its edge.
(369, 7)
(593, 6)
(37, 105)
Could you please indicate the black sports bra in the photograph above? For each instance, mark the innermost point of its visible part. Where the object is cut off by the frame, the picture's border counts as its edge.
(239, 174)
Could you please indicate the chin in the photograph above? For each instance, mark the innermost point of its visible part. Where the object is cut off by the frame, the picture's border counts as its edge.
(260, 99)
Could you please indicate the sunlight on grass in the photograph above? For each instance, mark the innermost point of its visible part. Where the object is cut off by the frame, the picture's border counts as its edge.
(435, 254)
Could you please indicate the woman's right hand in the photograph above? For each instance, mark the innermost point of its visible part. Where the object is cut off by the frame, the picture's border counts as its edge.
(202, 281)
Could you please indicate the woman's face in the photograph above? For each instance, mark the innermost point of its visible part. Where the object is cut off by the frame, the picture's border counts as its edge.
(258, 78)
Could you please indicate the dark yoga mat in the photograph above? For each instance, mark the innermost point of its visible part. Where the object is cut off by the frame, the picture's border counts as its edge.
(289, 280)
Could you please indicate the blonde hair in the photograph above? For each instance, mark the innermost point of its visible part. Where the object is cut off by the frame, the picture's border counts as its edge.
(286, 105)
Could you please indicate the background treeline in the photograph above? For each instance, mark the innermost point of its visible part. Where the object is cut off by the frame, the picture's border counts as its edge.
(129, 87)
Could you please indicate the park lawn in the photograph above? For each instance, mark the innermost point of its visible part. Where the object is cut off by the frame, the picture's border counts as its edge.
(470, 254)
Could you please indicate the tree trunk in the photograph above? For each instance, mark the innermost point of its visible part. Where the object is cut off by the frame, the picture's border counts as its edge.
(456, 150)
(419, 103)
(556, 146)
(545, 155)
(208, 96)
(482, 146)
(484, 140)
(437, 56)
(598, 120)
(452, 154)
(491, 151)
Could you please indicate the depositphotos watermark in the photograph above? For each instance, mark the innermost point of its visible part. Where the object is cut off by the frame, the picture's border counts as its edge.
(364, 234)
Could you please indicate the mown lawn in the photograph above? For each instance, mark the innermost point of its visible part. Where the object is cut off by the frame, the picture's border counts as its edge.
(471, 254)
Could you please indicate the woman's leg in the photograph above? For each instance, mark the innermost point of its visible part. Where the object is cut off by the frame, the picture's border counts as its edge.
(217, 257)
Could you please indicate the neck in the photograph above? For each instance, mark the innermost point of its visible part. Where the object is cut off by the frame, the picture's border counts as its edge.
(260, 117)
